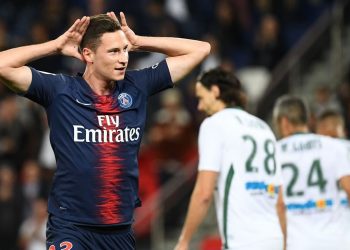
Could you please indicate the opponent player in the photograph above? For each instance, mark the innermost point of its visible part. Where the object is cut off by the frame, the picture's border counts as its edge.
(311, 167)
(237, 163)
(331, 123)
(97, 122)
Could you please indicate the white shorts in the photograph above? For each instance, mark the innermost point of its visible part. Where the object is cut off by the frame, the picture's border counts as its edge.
(316, 245)
(276, 244)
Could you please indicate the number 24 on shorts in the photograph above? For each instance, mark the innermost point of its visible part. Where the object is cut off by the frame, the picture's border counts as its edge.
(66, 245)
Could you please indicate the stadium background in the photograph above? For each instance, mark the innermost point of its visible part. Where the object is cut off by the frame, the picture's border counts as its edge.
(275, 47)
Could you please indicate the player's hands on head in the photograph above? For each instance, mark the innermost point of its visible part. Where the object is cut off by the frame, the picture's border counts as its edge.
(130, 34)
(68, 43)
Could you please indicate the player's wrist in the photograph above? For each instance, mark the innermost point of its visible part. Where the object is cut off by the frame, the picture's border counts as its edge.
(136, 43)
(57, 46)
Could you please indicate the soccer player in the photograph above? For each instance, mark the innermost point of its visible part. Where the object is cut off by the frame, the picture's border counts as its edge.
(331, 123)
(236, 163)
(97, 122)
(311, 167)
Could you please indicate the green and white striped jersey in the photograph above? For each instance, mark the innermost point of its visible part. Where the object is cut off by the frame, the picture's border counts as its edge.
(311, 167)
(345, 203)
(241, 148)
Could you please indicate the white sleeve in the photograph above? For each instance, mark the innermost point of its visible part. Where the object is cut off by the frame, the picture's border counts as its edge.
(209, 143)
(343, 159)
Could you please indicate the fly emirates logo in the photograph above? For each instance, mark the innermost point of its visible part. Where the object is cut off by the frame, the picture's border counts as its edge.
(109, 131)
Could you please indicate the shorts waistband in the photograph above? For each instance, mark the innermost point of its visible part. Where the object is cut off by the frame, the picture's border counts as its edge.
(105, 229)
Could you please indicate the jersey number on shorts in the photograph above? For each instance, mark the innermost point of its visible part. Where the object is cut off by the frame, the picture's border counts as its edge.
(66, 245)
(315, 178)
(269, 161)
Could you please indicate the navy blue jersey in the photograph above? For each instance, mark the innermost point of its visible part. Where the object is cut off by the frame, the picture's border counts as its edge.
(96, 140)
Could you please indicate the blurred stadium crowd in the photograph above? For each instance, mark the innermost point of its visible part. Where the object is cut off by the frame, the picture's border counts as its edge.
(243, 34)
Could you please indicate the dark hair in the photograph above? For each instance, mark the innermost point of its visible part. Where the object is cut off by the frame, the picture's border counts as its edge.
(291, 107)
(98, 25)
(330, 113)
(231, 92)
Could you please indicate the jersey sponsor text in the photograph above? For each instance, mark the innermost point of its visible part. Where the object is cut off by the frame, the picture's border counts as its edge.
(103, 135)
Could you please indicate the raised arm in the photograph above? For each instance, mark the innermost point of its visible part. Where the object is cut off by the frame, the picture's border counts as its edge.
(13, 72)
(183, 54)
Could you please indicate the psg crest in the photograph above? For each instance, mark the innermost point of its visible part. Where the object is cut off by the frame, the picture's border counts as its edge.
(124, 100)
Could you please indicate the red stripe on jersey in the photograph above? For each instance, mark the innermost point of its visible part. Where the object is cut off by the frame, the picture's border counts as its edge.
(109, 168)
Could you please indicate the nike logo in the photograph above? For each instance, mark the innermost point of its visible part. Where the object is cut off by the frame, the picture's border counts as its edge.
(83, 103)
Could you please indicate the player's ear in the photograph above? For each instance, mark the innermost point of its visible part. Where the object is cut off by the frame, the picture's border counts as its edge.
(285, 126)
(283, 121)
(215, 89)
(88, 55)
